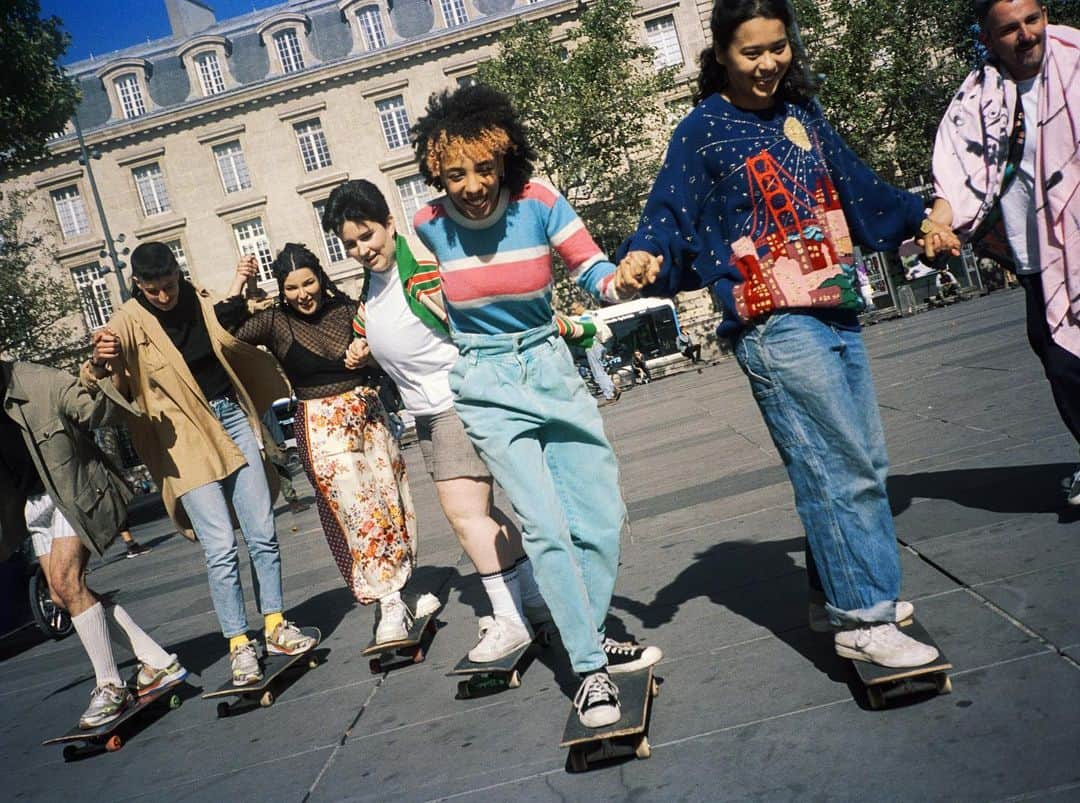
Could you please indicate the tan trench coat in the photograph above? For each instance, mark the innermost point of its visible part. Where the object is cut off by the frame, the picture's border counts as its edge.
(56, 417)
(182, 443)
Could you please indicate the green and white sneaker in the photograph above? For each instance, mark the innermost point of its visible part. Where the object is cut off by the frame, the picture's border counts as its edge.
(107, 703)
(288, 640)
(150, 678)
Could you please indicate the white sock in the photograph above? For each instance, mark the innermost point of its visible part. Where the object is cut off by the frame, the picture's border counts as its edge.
(530, 591)
(146, 649)
(93, 630)
(505, 594)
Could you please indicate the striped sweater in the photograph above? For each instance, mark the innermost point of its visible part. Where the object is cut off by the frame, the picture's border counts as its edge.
(497, 273)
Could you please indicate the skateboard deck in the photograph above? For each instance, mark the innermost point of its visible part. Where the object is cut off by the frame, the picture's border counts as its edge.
(108, 737)
(263, 691)
(885, 684)
(627, 737)
(495, 676)
(410, 650)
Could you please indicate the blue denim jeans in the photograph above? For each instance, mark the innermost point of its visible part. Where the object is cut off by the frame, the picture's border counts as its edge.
(528, 413)
(812, 383)
(208, 508)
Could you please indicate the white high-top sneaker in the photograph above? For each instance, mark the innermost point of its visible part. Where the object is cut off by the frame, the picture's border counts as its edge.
(498, 637)
(395, 619)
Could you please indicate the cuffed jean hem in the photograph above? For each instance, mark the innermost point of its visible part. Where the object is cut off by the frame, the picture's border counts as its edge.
(883, 612)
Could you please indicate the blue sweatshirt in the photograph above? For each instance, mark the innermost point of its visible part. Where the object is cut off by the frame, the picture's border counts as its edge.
(763, 207)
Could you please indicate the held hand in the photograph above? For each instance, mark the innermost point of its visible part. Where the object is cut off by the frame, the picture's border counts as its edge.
(357, 354)
(636, 270)
(247, 269)
(106, 347)
(937, 239)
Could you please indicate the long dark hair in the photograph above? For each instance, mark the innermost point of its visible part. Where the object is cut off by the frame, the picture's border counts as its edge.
(295, 256)
(797, 85)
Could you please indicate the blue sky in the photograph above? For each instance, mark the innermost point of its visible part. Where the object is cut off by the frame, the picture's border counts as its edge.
(102, 26)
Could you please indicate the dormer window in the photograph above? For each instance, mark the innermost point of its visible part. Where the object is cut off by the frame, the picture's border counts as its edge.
(365, 20)
(206, 60)
(209, 70)
(285, 35)
(125, 83)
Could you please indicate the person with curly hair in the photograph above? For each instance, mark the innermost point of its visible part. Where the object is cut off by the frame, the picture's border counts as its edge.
(342, 435)
(523, 404)
(760, 200)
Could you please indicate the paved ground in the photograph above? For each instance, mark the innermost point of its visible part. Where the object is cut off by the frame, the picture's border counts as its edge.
(754, 705)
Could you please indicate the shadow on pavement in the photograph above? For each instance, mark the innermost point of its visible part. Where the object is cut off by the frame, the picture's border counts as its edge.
(1002, 489)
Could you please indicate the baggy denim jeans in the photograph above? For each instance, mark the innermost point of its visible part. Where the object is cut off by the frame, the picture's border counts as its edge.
(528, 413)
(812, 383)
(208, 508)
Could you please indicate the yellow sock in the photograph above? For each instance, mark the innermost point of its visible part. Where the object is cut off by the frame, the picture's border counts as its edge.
(237, 641)
(272, 620)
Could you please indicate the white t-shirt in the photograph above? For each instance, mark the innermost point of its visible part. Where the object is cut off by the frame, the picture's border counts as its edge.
(415, 356)
(1018, 202)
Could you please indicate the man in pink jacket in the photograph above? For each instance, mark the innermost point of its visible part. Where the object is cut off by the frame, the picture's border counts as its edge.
(1007, 178)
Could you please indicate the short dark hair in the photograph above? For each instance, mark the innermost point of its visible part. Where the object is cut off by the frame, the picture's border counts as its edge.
(153, 260)
(468, 113)
(356, 200)
(982, 8)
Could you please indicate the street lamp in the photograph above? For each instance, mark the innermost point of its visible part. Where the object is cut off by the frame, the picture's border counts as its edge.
(85, 158)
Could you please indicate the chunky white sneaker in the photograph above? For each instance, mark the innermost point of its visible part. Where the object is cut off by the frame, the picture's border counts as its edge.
(244, 662)
(151, 678)
(1074, 489)
(106, 704)
(884, 645)
(499, 636)
(426, 605)
(626, 656)
(819, 617)
(597, 701)
(395, 619)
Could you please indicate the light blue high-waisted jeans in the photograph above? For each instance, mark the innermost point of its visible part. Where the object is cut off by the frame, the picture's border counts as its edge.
(528, 413)
(812, 383)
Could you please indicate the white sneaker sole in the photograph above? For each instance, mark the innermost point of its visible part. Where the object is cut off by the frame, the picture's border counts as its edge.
(857, 655)
(598, 718)
(652, 655)
(165, 681)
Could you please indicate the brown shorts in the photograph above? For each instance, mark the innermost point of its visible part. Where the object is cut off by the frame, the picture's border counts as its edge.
(448, 452)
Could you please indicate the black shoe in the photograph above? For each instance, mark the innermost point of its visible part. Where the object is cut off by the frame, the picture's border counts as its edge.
(626, 656)
(135, 549)
(597, 700)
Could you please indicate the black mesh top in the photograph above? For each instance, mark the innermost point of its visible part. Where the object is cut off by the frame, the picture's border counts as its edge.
(311, 348)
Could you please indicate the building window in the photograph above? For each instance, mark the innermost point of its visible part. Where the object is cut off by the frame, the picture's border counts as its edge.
(454, 12)
(150, 182)
(313, 148)
(664, 40)
(232, 166)
(209, 69)
(467, 80)
(288, 50)
(414, 193)
(371, 27)
(177, 249)
(94, 294)
(251, 239)
(335, 251)
(130, 94)
(70, 212)
(395, 121)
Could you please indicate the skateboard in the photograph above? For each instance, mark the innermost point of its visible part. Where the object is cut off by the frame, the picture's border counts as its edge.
(499, 675)
(409, 650)
(107, 737)
(885, 684)
(627, 737)
(263, 691)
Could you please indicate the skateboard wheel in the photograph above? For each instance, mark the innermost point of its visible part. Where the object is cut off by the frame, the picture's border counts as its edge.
(643, 749)
(578, 761)
(312, 663)
(375, 665)
(114, 743)
(876, 697)
(267, 699)
(944, 684)
(175, 701)
(70, 752)
(514, 680)
(463, 691)
(654, 689)
(222, 710)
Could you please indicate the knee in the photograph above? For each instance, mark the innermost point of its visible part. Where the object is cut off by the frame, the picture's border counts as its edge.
(65, 587)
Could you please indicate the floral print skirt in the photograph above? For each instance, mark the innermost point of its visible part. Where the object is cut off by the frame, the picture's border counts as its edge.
(361, 490)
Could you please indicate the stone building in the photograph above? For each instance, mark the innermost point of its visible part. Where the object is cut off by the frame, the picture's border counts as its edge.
(227, 136)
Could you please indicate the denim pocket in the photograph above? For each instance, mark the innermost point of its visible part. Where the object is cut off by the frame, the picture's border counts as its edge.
(748, 355)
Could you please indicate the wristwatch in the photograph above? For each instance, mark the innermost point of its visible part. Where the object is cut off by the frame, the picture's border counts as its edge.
(927, 226)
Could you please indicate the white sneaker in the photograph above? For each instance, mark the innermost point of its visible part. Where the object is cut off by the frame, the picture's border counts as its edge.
(884, 645)
(498, 637)
(819, 617)
(426, 605)
(1074, 489)
(597, 701)
(395, 619)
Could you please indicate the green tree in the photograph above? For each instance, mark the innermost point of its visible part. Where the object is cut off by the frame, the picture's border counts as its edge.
(37, 97)
(35, 306)
(596, 111)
